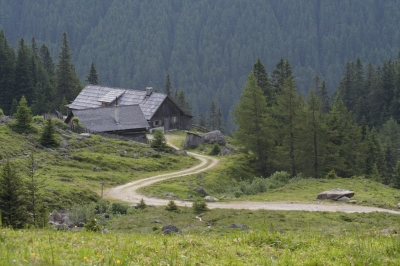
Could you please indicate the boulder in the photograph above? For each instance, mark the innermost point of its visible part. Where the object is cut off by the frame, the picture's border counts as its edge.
(335, 194)
(170, 229)
(214, 137)
(344, 199)
(210, 199)
(201, 191)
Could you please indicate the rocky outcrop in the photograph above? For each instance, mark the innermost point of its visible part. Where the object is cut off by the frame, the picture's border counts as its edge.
(193, 140)
(214, 137)
(335, 194)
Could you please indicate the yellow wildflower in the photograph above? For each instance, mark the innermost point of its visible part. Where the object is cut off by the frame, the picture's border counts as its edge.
(118, 261)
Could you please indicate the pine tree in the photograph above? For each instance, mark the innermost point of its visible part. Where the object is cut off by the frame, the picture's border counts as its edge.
(34, 201)
(92, 78)
(24, 82)
(48, 139)
(253, 121)
(289, 116)
(47, 61)
(282, 72)
(181, 101)
(7, 74)
(23, 118)
(168, 86)
(68, 84)
(212, 116)
(12, 198)
(263, 81)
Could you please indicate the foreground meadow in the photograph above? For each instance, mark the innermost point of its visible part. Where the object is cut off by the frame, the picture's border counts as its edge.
(258, 247)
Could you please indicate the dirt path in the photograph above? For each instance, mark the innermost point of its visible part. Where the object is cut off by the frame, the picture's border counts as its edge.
(128, 193)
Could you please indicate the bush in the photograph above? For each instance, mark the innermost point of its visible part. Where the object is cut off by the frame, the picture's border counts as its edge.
(119, 208)
(81, 213)
(102, 206)
(92, 225)
(142, 205)
(331, 175)
(216, 149)
(159, 142)
(1, 112)
(38, 119)
(60, 124)
(199, 206)
(172, 206)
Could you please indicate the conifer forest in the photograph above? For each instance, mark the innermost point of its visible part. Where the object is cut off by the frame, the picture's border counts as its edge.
(324, 75)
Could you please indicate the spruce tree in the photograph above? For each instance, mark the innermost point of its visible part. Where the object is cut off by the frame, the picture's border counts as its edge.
(48, 138)
(168, 86)
(7, 74)
(12, 198)
(289, 117)
(92, 78)
(263, 81)
(68, 84)
(253, 121)
(212, 116)
(23, 123)
(24, 82)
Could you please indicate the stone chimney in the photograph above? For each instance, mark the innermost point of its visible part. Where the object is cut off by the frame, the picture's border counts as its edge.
(149, 90)
(117, 110)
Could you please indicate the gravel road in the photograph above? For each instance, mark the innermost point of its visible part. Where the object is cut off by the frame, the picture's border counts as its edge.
(128, 193)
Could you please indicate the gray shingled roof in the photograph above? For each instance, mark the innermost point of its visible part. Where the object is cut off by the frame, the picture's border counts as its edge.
(92, 96)
(103, 119)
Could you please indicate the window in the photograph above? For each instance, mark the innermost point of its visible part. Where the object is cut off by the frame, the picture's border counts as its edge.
(157, 123)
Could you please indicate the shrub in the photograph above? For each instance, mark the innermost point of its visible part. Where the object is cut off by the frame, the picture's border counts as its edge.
(331, 175)
(81, 213)
(92, 225)
(159, 142)
(216, 149)
(119, 208)
(171, 206)
(142, 205)
(60, 124)
(102, 206)
(1, 112)
(76, 122)
(199, 206)
(38, 119)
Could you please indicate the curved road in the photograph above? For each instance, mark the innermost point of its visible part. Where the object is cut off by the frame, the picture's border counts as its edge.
(128, 193)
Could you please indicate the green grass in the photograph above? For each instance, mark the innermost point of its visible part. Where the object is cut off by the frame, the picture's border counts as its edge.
(73, 174)
(272, 238)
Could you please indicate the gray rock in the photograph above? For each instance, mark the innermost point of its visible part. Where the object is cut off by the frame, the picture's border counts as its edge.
(105, 231)
(344, 199)
(214, 137)
(210, 199)
(169, 195)
(201, 191)
(199, 176)
(353, 201)
(398, 205)
(95, 168)
(135, 156)
(85, 135)
(156, 222)
(170, 229)
(335, 194)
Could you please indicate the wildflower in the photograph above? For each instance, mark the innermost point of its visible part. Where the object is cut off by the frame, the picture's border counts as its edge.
(118, 261)
(33, 254)
(84, 258)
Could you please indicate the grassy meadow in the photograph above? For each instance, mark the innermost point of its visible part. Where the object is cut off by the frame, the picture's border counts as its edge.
(73, 172)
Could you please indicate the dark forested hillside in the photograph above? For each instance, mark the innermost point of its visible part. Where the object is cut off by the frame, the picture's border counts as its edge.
(208, 46)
